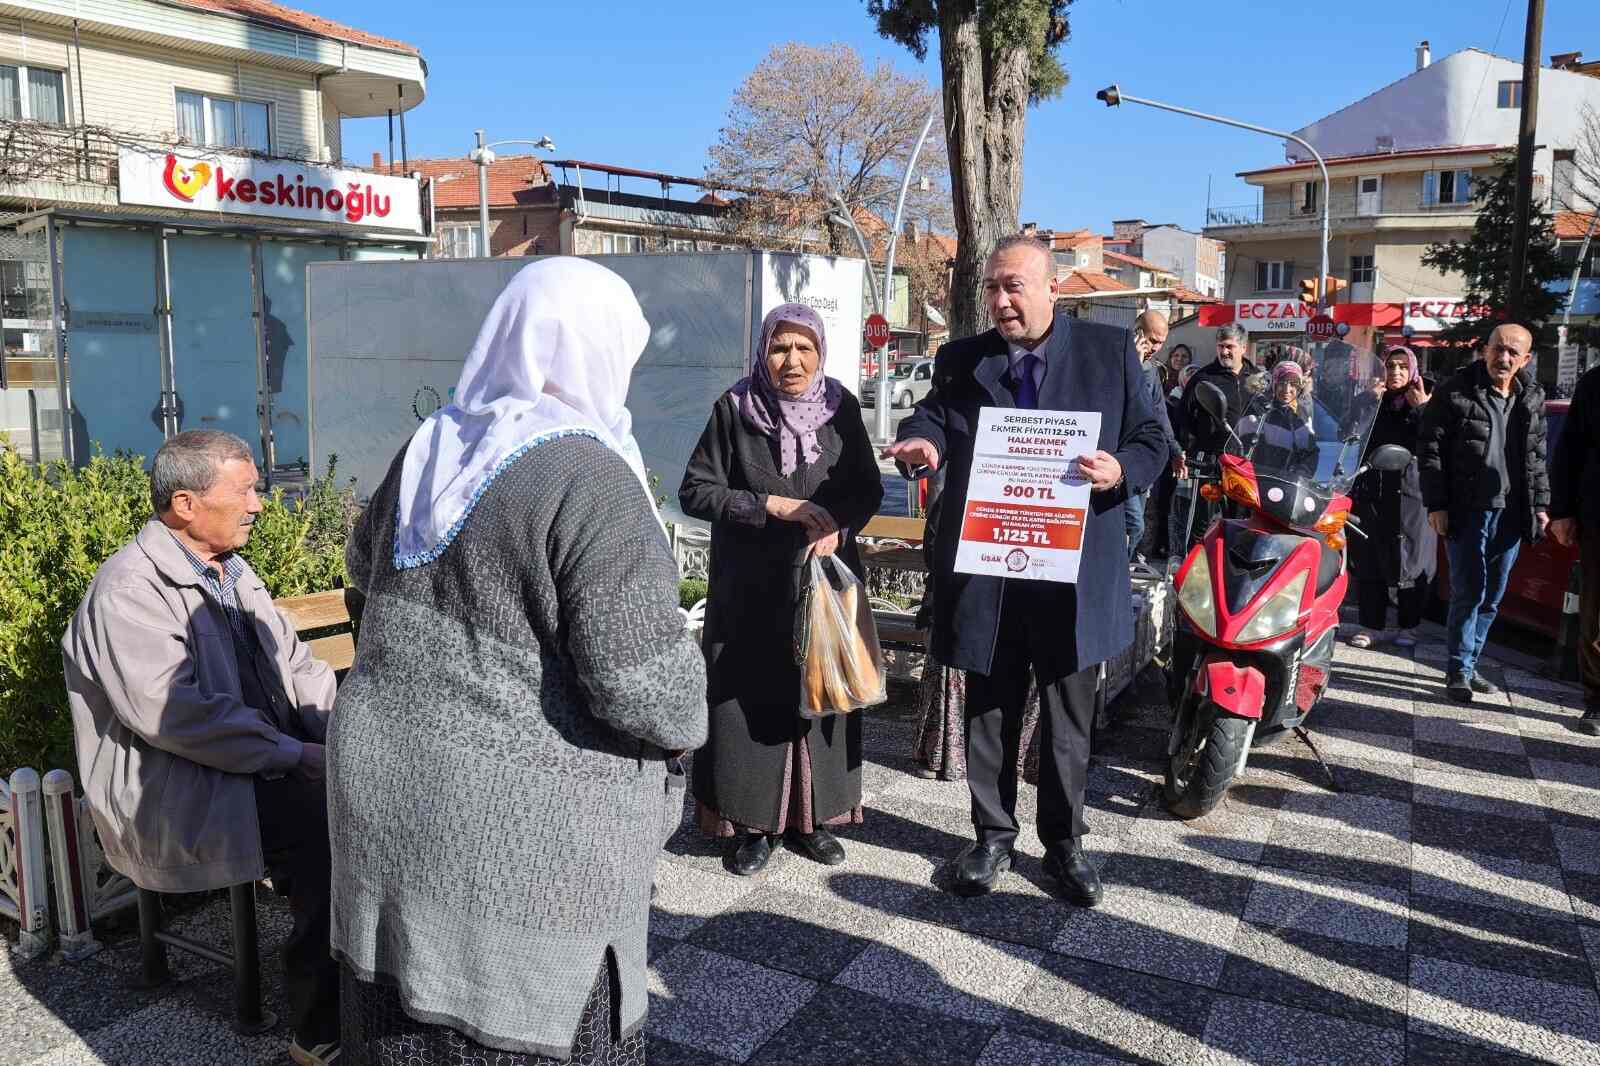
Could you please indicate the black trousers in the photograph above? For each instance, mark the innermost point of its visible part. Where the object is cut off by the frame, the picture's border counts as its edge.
(293, 815)
(994, 729)
(1372, 599)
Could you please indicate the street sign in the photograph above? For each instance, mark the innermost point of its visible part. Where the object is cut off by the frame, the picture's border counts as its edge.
(1321, 328)
(876, 331)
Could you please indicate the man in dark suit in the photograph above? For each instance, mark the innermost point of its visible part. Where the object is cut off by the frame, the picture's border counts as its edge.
(996, 628)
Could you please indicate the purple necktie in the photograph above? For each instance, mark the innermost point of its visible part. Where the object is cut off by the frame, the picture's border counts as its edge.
(1026, 388)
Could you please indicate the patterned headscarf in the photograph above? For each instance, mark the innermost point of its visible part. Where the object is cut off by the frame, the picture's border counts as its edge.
(792, 421)
(1288, 369)
(1397, 397)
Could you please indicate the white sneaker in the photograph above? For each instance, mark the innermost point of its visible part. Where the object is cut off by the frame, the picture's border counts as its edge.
(1405, 638)
(1362, 639)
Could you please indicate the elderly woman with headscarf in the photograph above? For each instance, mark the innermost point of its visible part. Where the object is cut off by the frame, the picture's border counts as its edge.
(496, 758)
(1400, 549)
(784, 470)
(1277, 435)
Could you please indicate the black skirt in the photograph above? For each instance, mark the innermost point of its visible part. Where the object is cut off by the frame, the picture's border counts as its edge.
(376, 1031)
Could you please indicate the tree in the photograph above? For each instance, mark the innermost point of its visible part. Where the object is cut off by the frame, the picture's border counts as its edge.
(1484, 260)
(996, 57)
(810, 121)
(1583, 193)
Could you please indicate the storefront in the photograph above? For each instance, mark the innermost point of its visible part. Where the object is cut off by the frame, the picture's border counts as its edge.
(185, 306)
(1418, 323)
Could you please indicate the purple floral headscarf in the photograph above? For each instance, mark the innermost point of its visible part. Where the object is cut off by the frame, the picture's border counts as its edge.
(792, 421)
(1397, 397)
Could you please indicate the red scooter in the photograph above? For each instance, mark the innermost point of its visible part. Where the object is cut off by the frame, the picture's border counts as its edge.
(1259, 594)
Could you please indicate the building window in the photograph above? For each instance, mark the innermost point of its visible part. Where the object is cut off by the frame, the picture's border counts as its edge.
(1511, 94)
(1564, 185)
(1569, 259)
(1361, 270)
(620, 244)
(224, 122)
(1308, 197)
(33, 94)
(458, 240)
(1447, 187)
(1273, 275)
(679, 244)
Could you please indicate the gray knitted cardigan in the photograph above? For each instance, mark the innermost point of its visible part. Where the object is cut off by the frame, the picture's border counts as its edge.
(495, 775)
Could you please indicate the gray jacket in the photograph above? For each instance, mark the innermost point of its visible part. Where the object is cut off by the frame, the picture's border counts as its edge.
(167, 750)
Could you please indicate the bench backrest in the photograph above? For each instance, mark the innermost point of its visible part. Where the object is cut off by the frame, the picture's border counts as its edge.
(327, 621)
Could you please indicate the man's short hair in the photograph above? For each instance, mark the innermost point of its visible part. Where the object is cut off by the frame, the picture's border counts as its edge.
(1142, 323)
(189, 463)
(1024, 240)
(1234, 332)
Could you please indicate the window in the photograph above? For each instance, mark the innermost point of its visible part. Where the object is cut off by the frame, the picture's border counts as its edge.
(13, 288)
(680, 244)
(224, 122)
(1511, 94)
(1564, 186)
(33, 94)
(1569, 259)
(1361, 270)
(620, 244)
(1447, 187)
(1306, 197)
(1273, 275)
(457, 240)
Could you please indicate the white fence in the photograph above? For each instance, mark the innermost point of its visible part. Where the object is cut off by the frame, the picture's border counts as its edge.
(22, 861)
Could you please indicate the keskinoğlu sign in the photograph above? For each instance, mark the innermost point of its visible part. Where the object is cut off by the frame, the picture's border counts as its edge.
(238, 185)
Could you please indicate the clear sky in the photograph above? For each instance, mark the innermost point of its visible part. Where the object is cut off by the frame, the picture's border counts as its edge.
(647, 85)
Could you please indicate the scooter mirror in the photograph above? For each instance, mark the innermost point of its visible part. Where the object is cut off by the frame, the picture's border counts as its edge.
(1212, 400)
(1389, 458)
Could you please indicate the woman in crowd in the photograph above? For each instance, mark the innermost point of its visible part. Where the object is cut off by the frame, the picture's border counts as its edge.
(496, 758)
(1279, 439)
(1177, 359)
(1400, 548)
(783, 471)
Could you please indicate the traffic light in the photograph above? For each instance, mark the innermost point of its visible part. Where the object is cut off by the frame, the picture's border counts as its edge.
(1332, 287)
(1309, 291)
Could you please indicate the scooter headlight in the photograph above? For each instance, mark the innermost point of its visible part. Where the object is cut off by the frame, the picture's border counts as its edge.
(1195, 596)
(1278, 615)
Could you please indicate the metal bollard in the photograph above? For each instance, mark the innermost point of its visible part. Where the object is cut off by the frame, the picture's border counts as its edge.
(33, 904)
(66, 855)
(1563, 665)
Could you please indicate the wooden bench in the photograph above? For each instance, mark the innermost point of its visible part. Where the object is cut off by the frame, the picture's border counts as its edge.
(896, 628)
(328, 622)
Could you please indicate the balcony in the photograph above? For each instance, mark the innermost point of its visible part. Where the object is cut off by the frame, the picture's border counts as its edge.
(1346, 214)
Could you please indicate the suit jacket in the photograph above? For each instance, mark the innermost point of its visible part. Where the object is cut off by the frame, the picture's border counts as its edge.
(1089, 367)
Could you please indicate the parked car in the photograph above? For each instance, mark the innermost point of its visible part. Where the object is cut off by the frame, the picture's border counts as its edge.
(1539, 579)
(908, 384)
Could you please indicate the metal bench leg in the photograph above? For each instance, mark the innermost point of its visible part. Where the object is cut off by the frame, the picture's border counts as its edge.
(248, 1017)
(153, 969)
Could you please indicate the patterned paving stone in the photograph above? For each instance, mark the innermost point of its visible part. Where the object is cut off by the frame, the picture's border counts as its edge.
(1541, 1019)
(1146, 931)
(1107, 1011)
(1231, 832)
(1326, 906)
(1457, 758)
(170, 1033)
(1362, 746)
(686, 897)
(723, 1005)
(838, 1025)
(1507, 797)
(659, 1052)
(1007, 1048)
(1247, 1031)
(1310, 814)
(1178, 875)
(1348, 712)
(1566, 774)
(1575, 748)
(1367, 857)
(1489, 880)
(1425, 1050)
(1584, 890)
(1492, 938)
(1579, 808)
(944, 970)
(1361, 982)
(1473, 736)
(809, 934)
(1515, 838)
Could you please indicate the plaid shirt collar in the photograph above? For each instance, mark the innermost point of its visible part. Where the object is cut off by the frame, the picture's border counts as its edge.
(226, 587)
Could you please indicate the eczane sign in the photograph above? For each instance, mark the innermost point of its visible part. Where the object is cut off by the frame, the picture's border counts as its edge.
(1287, 315)
(1431, 314)
(239, 185)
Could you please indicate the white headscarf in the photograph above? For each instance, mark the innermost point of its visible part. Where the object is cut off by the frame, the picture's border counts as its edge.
(553, 358)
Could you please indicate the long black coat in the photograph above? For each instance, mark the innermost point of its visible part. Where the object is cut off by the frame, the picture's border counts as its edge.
(757, 564)
(1089, 367)
(1454, 441)
(1400, 547)
(1575, 460)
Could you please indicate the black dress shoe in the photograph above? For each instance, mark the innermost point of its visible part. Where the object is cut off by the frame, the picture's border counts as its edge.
(1482, 685)
(979, 867)
(1458, 689)
(1071, 867)
(751, 855)
(821, 846)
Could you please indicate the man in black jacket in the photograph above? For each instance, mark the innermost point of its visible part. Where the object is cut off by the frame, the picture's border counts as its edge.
(998, 629)
(1484, 483)
(1149, 337)
(1575, 519)
(1236, 377)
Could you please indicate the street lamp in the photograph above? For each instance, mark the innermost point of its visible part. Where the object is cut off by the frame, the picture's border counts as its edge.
(1114, 96)
(483, 155)
(888, 272)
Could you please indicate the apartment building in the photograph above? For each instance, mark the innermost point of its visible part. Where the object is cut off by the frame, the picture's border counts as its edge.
(168, 169)
(1197, 260)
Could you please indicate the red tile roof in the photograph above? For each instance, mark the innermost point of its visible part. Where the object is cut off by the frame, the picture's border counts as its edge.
(302, 21)
(1067, 240)
(1135, 261)
(1572, 225)
(513, 180)
(1377, 157)
(1087, 281)
(1189, 296)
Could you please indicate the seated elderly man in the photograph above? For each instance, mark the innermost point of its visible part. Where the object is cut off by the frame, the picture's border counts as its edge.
(199, 717)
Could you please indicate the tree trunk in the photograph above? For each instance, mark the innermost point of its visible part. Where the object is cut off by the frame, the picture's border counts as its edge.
(985, 105)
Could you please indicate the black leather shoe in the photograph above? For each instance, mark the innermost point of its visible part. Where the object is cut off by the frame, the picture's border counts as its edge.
(821, 846)
(1071, 867)
(751, 856)
(1482, 685)
(1590, 722)
(1458, 689)
(979, 867)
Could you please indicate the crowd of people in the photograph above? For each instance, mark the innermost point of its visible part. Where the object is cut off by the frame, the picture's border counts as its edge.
(467, 826)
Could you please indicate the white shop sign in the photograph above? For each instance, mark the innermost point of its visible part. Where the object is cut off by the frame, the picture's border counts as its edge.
(239, 185)
(1432, 314)
(1272, 316)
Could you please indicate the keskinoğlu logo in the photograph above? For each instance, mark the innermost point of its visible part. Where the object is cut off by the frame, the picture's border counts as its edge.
(355, 202)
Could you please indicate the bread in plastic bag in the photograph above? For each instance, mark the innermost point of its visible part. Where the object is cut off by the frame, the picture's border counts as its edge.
(836, 643)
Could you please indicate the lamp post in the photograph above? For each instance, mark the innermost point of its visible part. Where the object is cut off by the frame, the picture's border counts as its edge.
(483, 155)
(1114, 96)
(888, 272)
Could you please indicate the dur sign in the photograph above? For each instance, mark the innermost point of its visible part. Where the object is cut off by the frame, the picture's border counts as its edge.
(269, 188)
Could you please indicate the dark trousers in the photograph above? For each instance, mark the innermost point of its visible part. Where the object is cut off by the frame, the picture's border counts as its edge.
(293, 815)
(994, 730)
(1589, 613)
(1482, 548)
(1373, 604)
(1133, 520)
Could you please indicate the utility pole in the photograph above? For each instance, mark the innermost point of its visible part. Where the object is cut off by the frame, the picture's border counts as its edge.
(1525, 136)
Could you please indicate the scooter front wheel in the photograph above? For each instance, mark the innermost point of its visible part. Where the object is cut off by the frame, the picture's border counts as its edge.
(1207, 754)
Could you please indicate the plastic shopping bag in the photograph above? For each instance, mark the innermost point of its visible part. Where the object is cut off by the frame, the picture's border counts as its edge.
(836, 643)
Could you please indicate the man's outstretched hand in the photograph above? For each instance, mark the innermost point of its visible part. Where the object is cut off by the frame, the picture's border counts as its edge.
(914, 453)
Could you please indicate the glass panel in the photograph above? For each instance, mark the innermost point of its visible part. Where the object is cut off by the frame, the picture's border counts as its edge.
(284, 295)
(1430, 188)
(256, 132)
(192, 117)
(1463, 186)
(47, 95)
(10, 100)
(214, 336)
(224, 122)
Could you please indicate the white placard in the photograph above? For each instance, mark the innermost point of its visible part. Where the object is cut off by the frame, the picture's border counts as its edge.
(1027, 503)
(1432, 314)
(1287, 315)
(269, 188)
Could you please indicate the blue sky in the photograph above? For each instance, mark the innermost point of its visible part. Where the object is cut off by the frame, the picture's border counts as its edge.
(647, 85)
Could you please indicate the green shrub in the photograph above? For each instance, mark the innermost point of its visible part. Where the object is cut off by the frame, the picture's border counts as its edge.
(691, 590)
(58, 524)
